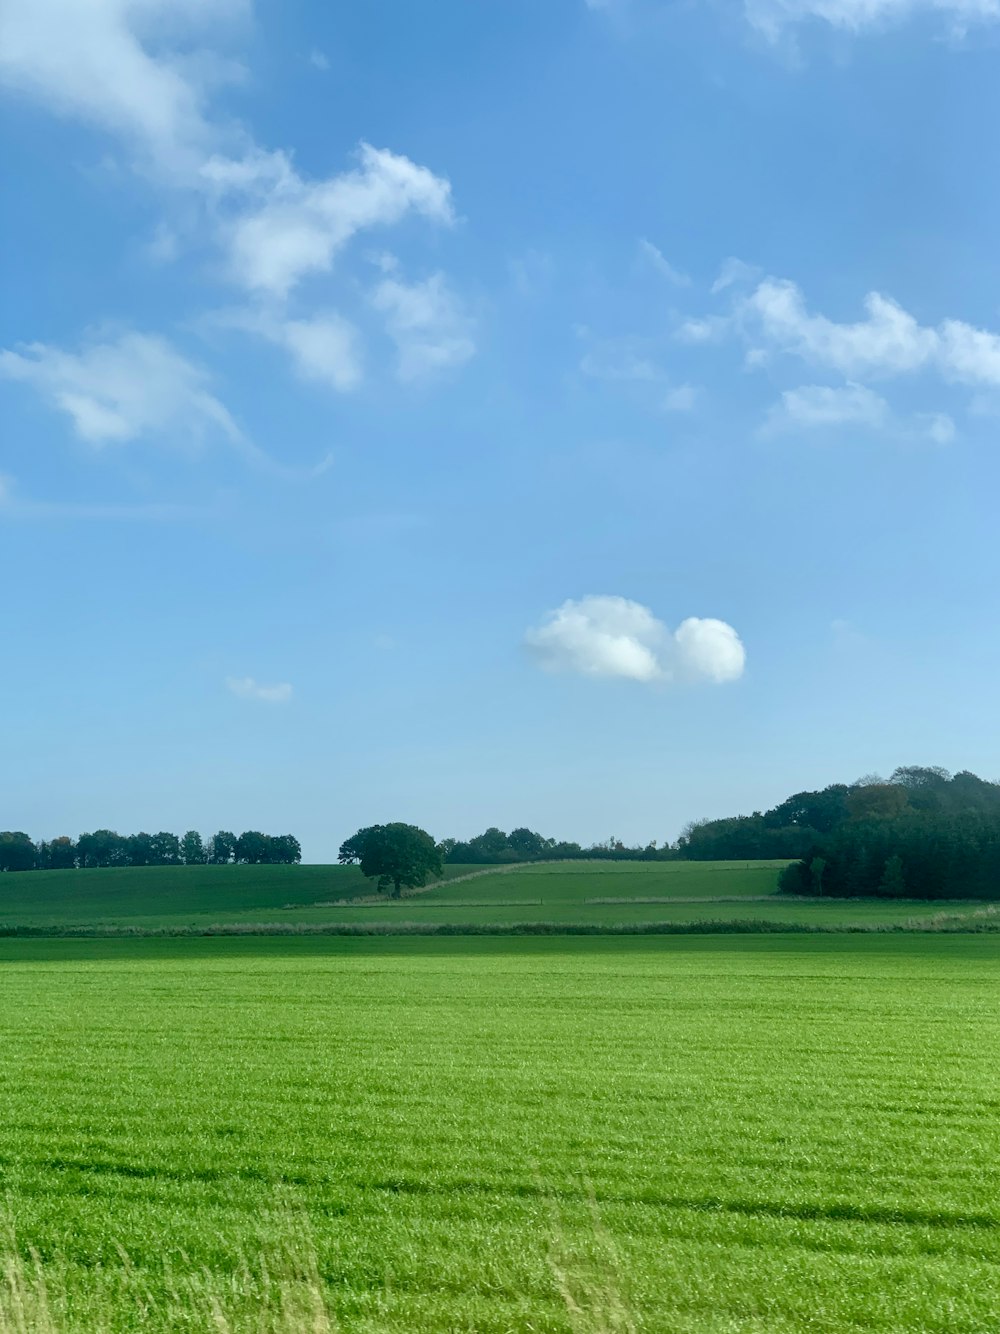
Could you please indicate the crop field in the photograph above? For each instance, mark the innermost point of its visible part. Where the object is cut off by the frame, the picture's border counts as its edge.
(704, 1134)
(591, 894)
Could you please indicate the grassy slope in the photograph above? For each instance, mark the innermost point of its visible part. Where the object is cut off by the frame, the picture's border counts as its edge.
(695, 1135)
(562, 892)
(170, 893)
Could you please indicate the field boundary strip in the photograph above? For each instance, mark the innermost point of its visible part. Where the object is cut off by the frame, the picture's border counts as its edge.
(981, 921)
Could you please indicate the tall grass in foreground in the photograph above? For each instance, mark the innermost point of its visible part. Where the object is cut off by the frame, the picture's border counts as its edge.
(281, 1291)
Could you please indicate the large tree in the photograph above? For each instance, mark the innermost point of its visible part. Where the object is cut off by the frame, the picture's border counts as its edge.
(397, 855)
(17, 852)
(192, 848)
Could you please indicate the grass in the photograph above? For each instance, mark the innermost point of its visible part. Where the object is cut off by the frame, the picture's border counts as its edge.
(549, 896)
(694, 1134)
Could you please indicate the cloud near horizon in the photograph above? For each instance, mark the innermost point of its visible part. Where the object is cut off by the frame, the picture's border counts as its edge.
(609, 636)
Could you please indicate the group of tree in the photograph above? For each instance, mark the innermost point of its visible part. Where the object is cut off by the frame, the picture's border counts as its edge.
(921, 834)
(495, 848)
(105, 847)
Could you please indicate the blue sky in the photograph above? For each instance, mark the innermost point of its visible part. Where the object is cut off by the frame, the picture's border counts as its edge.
(580, 415)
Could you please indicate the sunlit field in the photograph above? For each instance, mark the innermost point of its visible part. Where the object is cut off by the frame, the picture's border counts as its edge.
(684, 1134)
(597, 895)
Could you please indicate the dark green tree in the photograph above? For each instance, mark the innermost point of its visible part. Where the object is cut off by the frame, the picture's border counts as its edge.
(192, 848)
(252, 847)
(17, 852)
(102, 848)
(398, 855)
(222, 848)
(893, 882)
(141, 850)
(526, 843)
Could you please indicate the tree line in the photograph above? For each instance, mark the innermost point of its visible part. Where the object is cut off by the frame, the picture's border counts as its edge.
(105, 847)
(922, 833)
(495, 848)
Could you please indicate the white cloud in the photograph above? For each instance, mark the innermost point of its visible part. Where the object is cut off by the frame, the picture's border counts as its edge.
(709, 650)
(662, 265)
(324, 347)
(815, 405)
(428, 324)
(606, 636)
(125, 65)
(245, 687)
(128, 67)
(318, 60)
(888, 342)
(134, 386)
(734, 271)
(774, 320)
(708, 329)
(285, 227)
(771, 17)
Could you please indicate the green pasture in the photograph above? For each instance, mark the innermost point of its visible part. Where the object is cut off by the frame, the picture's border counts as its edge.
(593, 894)
(699, 1134)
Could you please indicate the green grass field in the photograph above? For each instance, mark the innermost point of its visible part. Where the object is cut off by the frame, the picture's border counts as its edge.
(705, 1134)
(591, 894)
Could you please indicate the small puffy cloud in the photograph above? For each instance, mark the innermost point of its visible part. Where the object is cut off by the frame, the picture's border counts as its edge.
(134, 386)
(318, 60)
(245, 687)
(427, 323)
(659, 262)
(605, 636)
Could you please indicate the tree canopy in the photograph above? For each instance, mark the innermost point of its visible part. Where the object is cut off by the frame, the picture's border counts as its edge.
(397, 856)
(105, 847)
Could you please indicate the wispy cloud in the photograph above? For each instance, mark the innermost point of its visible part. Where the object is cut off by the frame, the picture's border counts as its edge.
(659, 262)
(773, 17)
(774, 321)
(818, 407)
(144, 72)
(607, 636)
(428, 324)
(324, 347)
(245, 687)
(318, 60)
(278, 226)
(133, 386)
